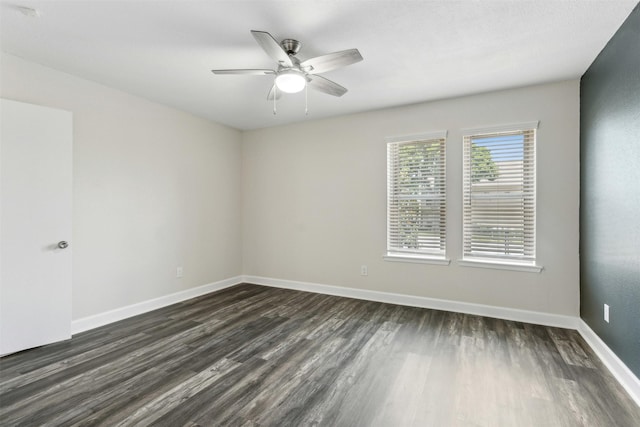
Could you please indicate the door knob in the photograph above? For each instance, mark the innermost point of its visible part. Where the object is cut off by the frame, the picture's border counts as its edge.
(62, 244)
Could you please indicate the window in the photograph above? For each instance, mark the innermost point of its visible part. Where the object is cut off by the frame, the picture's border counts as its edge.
(416, 199)
(499, 195)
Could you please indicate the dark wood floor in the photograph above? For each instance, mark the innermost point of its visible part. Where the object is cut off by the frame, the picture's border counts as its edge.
(257, 356)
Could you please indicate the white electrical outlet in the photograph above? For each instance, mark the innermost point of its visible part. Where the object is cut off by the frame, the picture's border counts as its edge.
(363, 270)
(179, 272)
(606, 313)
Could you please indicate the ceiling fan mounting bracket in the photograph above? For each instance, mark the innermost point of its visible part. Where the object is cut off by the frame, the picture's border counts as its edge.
(291, 46)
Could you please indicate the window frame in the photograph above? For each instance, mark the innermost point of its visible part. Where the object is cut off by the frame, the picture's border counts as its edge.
(392, 252)
(518, 263)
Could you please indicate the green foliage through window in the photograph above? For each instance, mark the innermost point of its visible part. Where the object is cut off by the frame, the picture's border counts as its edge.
(416, 197)
(482, 165)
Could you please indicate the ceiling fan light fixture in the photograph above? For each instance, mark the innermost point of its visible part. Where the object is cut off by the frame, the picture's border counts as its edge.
(291, 81)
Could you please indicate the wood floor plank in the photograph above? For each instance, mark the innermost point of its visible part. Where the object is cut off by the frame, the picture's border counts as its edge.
(173, 398)
(11, 383)
(257, 356)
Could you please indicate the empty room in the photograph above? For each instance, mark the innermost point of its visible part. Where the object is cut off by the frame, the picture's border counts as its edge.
(320, 213)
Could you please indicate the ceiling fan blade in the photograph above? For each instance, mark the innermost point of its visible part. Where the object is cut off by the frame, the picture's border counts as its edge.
(275, 92)
(326, 86)
(247, 71)
(331, 61)
(272, 47)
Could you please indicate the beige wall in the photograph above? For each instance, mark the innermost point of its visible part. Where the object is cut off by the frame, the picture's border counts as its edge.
(154, 188)
(314, 205)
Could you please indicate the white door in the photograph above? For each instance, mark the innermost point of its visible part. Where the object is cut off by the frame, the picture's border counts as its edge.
(35, 217)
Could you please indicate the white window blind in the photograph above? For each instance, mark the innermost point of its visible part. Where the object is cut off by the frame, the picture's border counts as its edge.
(416, 199)
(499, 197)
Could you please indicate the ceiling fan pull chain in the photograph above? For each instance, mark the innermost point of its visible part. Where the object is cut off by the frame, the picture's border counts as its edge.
(275, 92)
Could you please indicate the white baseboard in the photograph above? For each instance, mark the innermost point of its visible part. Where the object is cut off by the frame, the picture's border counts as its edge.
(101, 319)
(620, 371)
(526, 316)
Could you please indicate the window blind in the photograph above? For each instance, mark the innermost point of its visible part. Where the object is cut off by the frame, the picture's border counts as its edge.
(499, 196)
(416, 199)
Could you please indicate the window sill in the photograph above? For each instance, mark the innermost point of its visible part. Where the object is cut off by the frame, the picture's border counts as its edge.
(530, 268)
(418, 259)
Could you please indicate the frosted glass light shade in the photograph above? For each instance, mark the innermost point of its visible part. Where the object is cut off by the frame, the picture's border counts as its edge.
(290, 81)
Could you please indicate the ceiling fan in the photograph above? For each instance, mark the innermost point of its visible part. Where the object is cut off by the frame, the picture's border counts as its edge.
(294, 75)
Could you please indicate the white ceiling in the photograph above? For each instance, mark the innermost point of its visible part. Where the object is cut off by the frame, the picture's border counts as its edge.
(413, 51)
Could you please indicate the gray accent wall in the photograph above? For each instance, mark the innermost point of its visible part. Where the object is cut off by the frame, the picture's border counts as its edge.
(610, 193)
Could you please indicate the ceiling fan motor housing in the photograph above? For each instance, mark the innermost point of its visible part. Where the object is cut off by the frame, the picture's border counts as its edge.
(291, 46)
